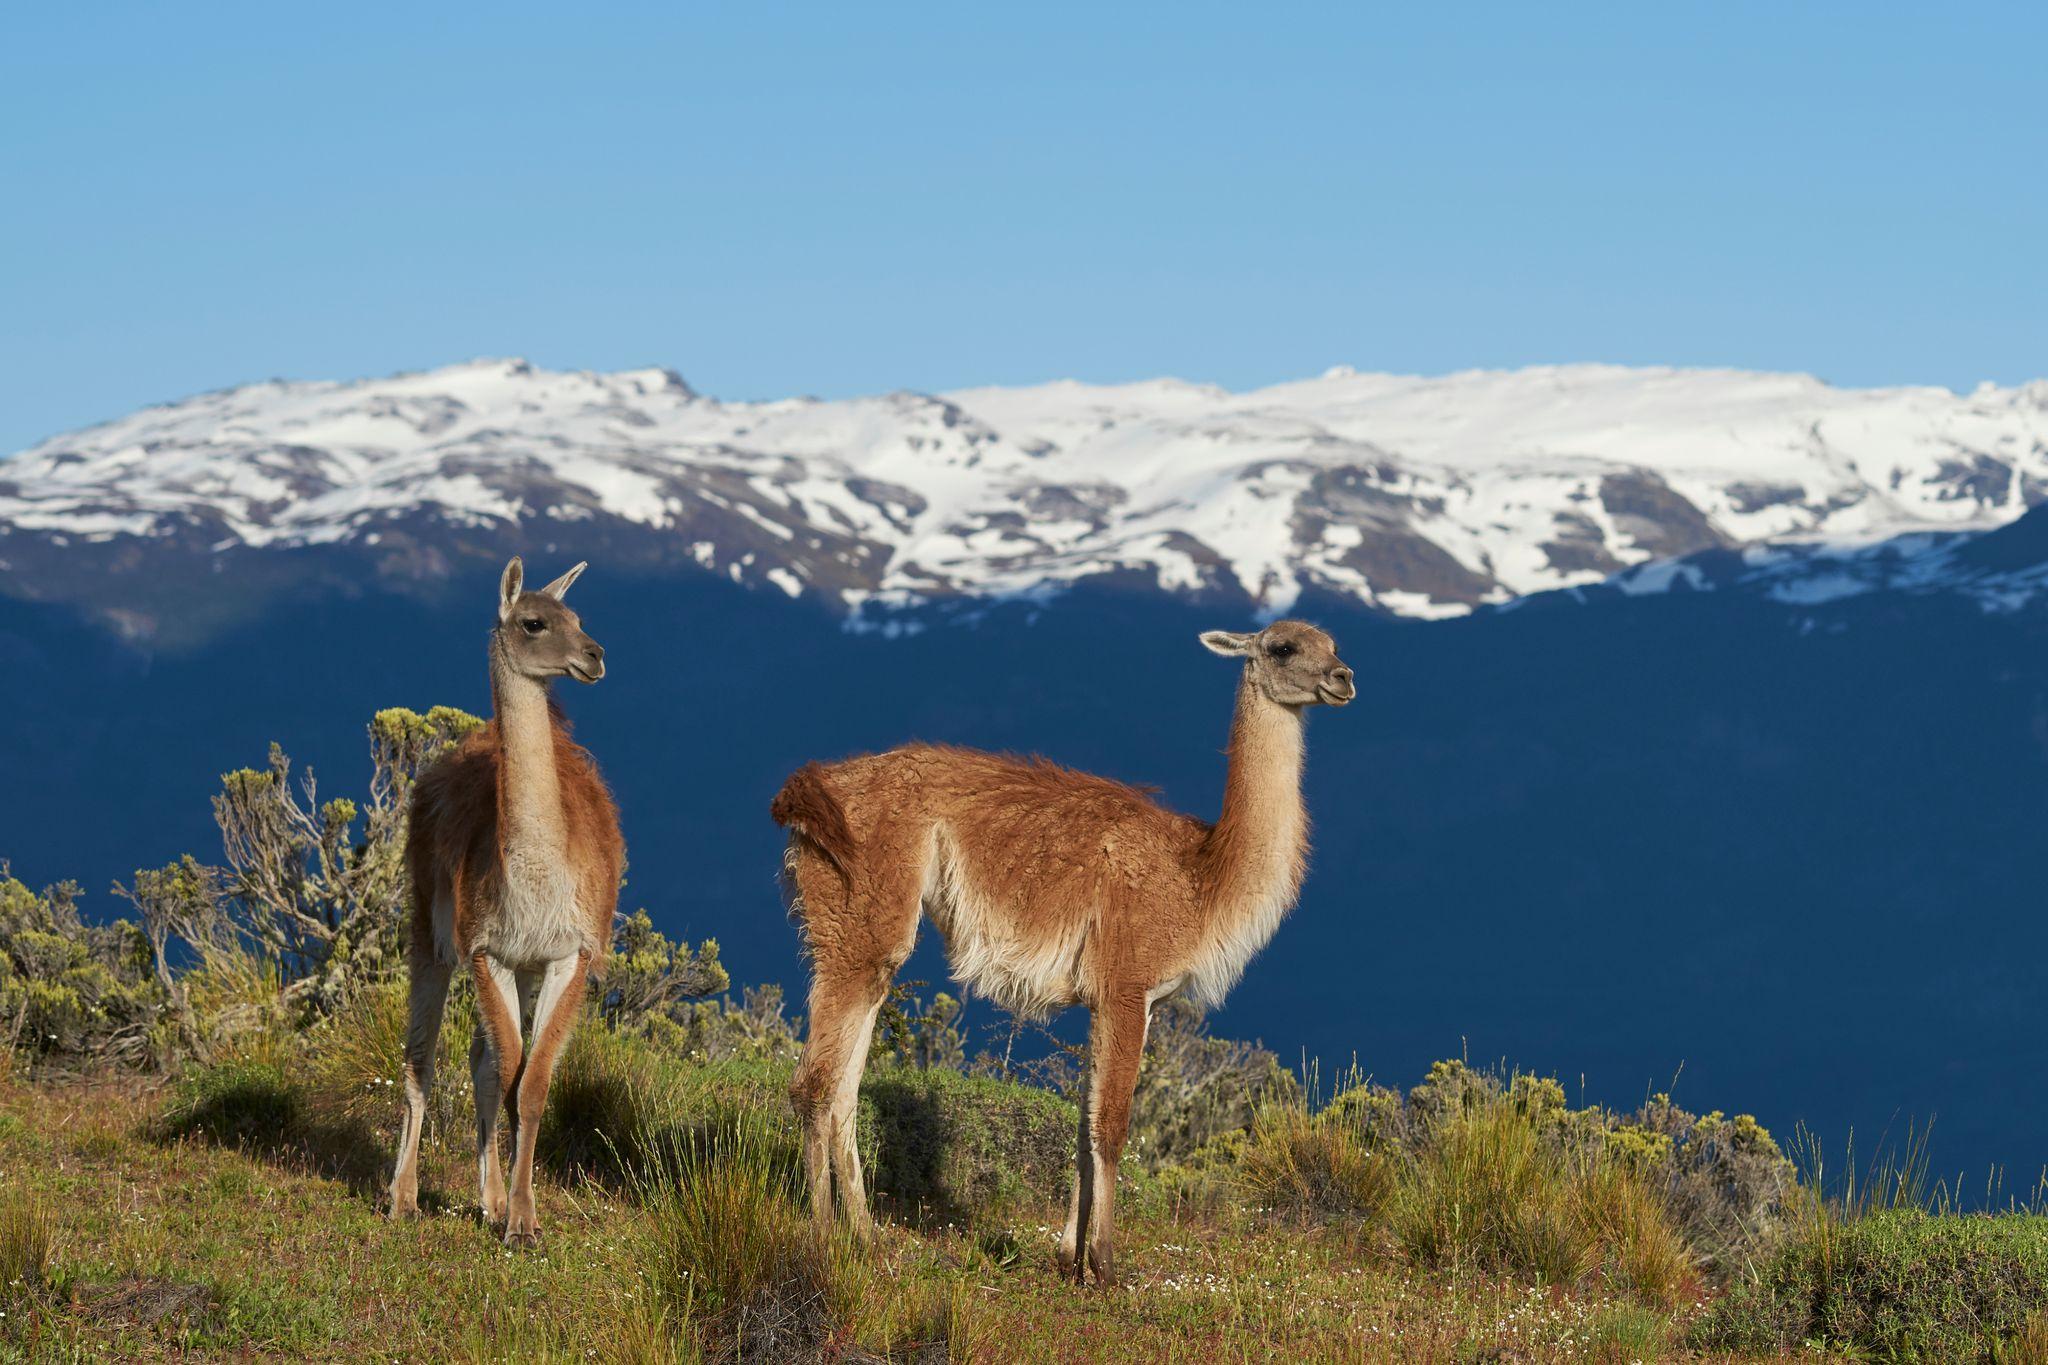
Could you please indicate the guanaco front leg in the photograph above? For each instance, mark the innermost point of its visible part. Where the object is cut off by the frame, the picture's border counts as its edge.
(1078, 1207)
(554, 1016)
(494, 1057)
(1116, 1046)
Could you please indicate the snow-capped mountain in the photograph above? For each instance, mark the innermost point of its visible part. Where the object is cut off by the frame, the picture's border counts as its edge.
(1419, 496)
(1790, 692)
(2000, 570)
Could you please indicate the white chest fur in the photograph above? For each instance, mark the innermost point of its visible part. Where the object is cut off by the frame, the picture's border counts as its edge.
(538, 920)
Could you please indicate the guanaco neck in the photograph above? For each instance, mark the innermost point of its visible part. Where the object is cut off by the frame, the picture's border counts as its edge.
(1254, 857)
(529, 789)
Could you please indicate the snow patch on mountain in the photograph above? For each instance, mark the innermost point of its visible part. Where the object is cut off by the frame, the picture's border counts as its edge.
(1424, 496)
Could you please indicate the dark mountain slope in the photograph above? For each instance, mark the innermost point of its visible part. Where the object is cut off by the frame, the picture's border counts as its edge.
(1795, 851)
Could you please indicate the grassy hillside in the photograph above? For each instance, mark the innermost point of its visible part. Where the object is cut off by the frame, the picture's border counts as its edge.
(231, 1213)
(161, 1243)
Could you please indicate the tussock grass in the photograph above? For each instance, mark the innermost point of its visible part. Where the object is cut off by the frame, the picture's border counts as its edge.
(937, 1146)
(248, 1104)
(613, 1107)
(2026, 1346)
(271, 1111)
(1475, 1217)
(285, 1263)
(729, 1238)
(25, 1238)
(1623, 1219)
(236, 994)
(736, 1257)
(354, 1063)
(1486, 1197)
(1630, 1332)
(620, 1109)
(1313, 1168)
(1493, 1193)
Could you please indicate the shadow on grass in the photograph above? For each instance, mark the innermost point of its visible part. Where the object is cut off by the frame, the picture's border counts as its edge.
(939, 1147)
(254, 1108)
(953, 1149)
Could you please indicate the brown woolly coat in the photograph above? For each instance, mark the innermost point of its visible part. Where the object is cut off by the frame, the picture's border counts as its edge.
(454, 828)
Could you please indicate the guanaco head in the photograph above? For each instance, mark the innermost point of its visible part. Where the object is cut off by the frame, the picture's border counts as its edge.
(1292, 662)
(541, 637)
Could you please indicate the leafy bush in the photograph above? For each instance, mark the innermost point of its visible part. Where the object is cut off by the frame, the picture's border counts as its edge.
(73, 993)
(1725, 1180)
(909, 1033)
(1194, 1087)
(753, 1029)
(1450, 1090)
(1898, 1284)
(649, 979)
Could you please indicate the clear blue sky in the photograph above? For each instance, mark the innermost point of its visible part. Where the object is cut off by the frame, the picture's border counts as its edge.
(851, 198)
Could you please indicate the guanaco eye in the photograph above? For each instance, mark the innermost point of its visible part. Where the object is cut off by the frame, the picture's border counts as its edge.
(534, 625)
(1282, 651)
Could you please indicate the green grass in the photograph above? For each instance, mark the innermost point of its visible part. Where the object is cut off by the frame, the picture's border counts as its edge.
(269, 1257)
(227, 1215)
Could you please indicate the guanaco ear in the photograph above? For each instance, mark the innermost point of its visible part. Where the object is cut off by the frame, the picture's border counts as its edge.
(508, 587)
(561, 585)
(1229, 643)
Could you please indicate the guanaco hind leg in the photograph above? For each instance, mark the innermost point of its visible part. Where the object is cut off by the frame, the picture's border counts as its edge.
(826, 1090)
(853, 1194)
(429, 1001)
(857, 944)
